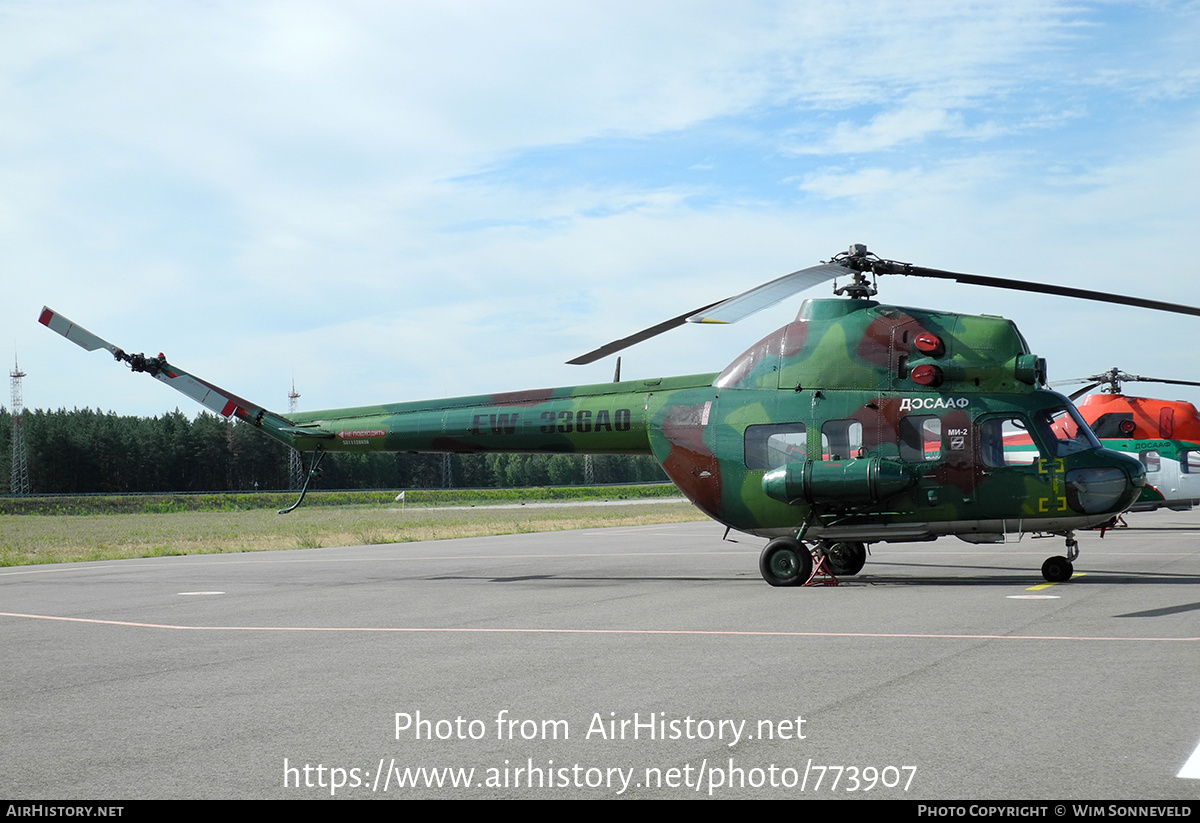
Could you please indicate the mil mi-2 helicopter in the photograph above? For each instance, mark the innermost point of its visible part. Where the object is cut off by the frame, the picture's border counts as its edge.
(1163, 435)
(857, 423)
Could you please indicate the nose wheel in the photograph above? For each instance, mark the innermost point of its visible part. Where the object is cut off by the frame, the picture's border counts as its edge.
(844, 559)
(1059, 569)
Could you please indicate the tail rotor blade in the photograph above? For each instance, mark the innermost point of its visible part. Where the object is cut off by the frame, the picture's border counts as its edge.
(206, 394)
(76, 334)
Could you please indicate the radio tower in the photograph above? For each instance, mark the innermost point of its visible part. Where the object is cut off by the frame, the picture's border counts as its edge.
(20, 465)
(295, 464)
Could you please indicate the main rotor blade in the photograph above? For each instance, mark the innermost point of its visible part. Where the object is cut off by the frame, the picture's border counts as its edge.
(859, 259)
(637, 337)
(768, 294)
(730, 310)
(1075, 395)
(1045, 288)
(1133, 378)
(1118, 376)
(1113, 378)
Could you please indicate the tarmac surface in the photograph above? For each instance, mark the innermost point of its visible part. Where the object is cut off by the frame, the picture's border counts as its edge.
(629, 662)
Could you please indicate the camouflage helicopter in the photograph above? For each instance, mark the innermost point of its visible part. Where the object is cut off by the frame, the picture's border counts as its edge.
(857, 423)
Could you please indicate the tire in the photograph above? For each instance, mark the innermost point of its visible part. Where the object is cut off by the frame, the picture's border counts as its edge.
(844, 559)
(785, 562)
(1057, 569)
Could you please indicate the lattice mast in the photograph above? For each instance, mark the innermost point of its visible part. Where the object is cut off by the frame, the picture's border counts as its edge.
(295, 463)
(19, 483)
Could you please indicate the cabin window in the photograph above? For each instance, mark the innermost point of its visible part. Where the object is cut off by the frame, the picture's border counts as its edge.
(1189, 462)
(841, 440)
(1005, 441)
(1151, 459)
(920, 438)
(775, 445)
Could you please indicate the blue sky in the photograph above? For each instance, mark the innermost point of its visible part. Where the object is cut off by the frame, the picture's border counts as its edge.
(396, 201)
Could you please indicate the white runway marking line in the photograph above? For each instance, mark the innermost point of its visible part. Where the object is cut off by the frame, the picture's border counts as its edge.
(1191, 769)
(197, 594)
(676, 632)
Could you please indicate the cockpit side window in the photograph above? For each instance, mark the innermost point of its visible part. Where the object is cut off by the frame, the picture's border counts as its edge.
(1005, 441)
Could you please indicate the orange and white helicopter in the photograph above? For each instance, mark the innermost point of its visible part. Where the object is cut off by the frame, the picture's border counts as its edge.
(1164, 435)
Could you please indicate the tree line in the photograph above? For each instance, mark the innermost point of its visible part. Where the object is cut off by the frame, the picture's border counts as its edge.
(86, 451)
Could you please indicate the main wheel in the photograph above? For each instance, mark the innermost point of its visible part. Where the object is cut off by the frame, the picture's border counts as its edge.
(785, 562)
(844, 559)
(1057, 569)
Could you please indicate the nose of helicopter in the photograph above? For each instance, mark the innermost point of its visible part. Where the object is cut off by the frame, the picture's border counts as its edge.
(1106, 489)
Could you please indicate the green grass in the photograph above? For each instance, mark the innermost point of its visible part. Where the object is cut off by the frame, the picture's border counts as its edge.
(230, 501)
(31, 539)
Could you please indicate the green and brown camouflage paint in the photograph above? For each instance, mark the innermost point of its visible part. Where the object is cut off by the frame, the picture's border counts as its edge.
(758, 446)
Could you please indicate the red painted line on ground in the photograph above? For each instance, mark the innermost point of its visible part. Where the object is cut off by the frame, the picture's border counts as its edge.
(715, 633)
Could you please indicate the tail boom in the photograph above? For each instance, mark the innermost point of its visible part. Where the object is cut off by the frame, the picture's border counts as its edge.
(606, 418)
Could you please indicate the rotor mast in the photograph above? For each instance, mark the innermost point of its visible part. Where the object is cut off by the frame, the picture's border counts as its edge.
(859, 261)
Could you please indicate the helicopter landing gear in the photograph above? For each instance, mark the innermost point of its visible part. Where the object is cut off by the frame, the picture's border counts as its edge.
(785, 562)
(1059, 569)
(844, 559)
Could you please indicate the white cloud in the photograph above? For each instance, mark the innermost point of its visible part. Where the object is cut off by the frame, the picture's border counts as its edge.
(885, 131)
(268, 187)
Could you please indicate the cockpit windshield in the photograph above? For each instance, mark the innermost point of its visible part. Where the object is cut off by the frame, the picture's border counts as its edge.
(1014, 440)
(1064, 431)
